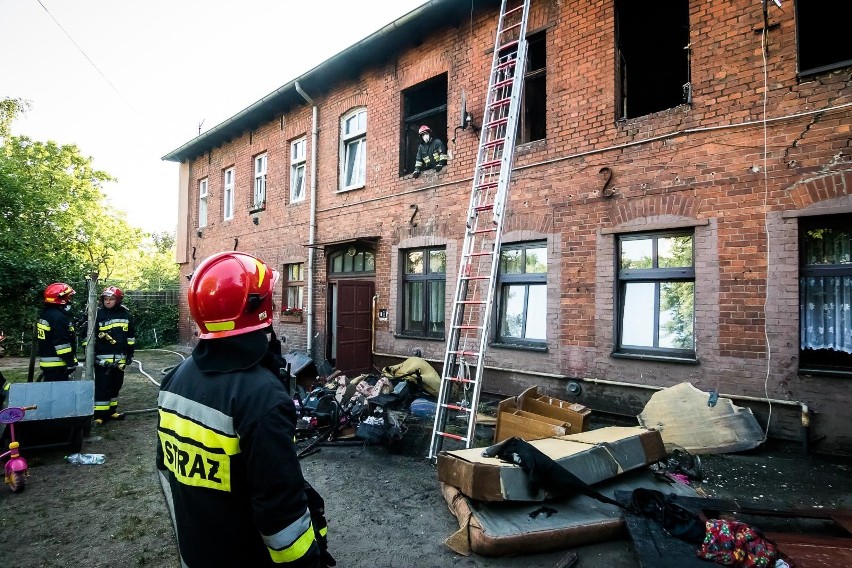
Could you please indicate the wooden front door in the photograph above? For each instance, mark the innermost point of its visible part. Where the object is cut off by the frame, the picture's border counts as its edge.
(354, 329)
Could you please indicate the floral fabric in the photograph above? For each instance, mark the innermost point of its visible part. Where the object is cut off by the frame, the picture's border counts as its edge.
(732, 543)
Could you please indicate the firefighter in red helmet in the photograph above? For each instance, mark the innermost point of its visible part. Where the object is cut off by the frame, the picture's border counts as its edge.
(431, 152)
(56, 334)
(115, 343)
(226, 453)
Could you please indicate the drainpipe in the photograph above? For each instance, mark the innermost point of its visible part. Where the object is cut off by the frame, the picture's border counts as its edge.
(313, 219)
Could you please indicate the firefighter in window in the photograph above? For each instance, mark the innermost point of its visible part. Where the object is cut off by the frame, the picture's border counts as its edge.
(431, 152)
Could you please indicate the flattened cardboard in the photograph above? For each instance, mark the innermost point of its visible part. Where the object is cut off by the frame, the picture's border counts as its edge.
(539, 410)
(591, 456)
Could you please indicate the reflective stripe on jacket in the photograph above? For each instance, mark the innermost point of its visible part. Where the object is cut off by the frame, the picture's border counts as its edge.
(56, 338)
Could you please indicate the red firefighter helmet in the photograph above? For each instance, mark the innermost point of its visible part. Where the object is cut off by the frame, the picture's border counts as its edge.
(423, 130)
(58, 293)
(113, 291)
(231, 294)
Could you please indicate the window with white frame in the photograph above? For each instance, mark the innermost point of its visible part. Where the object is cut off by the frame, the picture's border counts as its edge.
(297, 170)
(228, 194)
(202, 203)
(424, 283)
(294, 286)
(656, 295)
(353, 149)
(522, 284)
(259, 182)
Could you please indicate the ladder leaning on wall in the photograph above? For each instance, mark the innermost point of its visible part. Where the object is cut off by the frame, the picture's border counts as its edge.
(475, 284)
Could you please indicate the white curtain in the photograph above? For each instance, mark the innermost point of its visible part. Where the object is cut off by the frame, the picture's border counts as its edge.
(826, 313)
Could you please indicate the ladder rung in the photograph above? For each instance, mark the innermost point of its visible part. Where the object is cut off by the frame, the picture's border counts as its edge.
(512, 27)
(501, 102)
(506, 64)
(498, 122)
(507, 45)
(456, 407)
(513, 10)
(463, 353)
(503, 83)
(473, 278)
(491, 164)
(494, 142)
(453, 436)
(460, 380)
(486, 207)
(480, 231)
(481, 253)
(486, 185)
(471, 302)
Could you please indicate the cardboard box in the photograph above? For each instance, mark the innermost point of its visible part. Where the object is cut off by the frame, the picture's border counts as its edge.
(592, 456)
(531, 416)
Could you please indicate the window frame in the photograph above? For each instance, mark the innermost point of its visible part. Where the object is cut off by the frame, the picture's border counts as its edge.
(228, 193)
(427, 277)
(203, 202)
(298, 161)
(526, 279)
(657, 276)
(811, 70)
(525, 120)
(840, 365)
(346, 139)
(259, 193)
(291, 283)
(435, 117)
(353, 252)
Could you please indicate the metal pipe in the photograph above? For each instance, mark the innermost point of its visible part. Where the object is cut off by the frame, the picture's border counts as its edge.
(312, 231)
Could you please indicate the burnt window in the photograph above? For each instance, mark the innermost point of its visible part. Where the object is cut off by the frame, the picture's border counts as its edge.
(822, 30)
(652, 56)
(532, 122)
(424, 103)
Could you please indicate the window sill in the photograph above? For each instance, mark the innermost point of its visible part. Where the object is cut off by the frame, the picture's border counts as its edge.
(353, 188)
(630, 120)
(257, 209)
(418, 337)
(809, 74)
(657, 358)
(519, 347)
(804, 371)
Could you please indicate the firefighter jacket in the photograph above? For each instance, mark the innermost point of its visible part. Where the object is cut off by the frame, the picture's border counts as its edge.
(115, 335)
(56, 338)
(228, 464)
(431, 154)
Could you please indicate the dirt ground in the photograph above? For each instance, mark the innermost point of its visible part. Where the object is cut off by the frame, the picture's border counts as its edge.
(384, 509)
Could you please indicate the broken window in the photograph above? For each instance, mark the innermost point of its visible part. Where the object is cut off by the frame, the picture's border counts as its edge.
(533, 116)
(424, 285)
(825, 294)
(424, 103)
(522, 285)
(656, 295)
(822, 30)
(652, 56)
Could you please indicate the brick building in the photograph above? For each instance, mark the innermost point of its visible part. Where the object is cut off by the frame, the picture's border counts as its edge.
(680, 207)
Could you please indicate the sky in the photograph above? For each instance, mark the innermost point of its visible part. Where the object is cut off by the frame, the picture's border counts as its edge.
(136, 79)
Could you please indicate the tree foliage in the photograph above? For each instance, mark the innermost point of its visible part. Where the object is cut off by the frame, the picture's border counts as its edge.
(55, 225)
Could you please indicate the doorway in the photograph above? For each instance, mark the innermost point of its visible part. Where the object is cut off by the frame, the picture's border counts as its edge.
(351, 322)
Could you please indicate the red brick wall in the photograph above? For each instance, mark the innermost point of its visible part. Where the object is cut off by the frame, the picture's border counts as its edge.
(700, 165)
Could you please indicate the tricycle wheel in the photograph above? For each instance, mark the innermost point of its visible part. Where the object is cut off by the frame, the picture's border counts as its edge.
(16, 481)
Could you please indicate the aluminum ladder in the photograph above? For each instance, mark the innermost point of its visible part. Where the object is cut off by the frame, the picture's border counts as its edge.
(475, 284)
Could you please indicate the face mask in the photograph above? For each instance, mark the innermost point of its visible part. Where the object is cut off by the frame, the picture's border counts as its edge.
(426, 138)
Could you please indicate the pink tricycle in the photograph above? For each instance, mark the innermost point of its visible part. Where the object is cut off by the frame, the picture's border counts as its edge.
(16, 468)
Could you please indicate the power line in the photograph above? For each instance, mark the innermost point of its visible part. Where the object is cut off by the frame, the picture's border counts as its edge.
(89, 59)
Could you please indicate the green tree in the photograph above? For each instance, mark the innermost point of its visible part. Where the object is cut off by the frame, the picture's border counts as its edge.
(54, 222)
